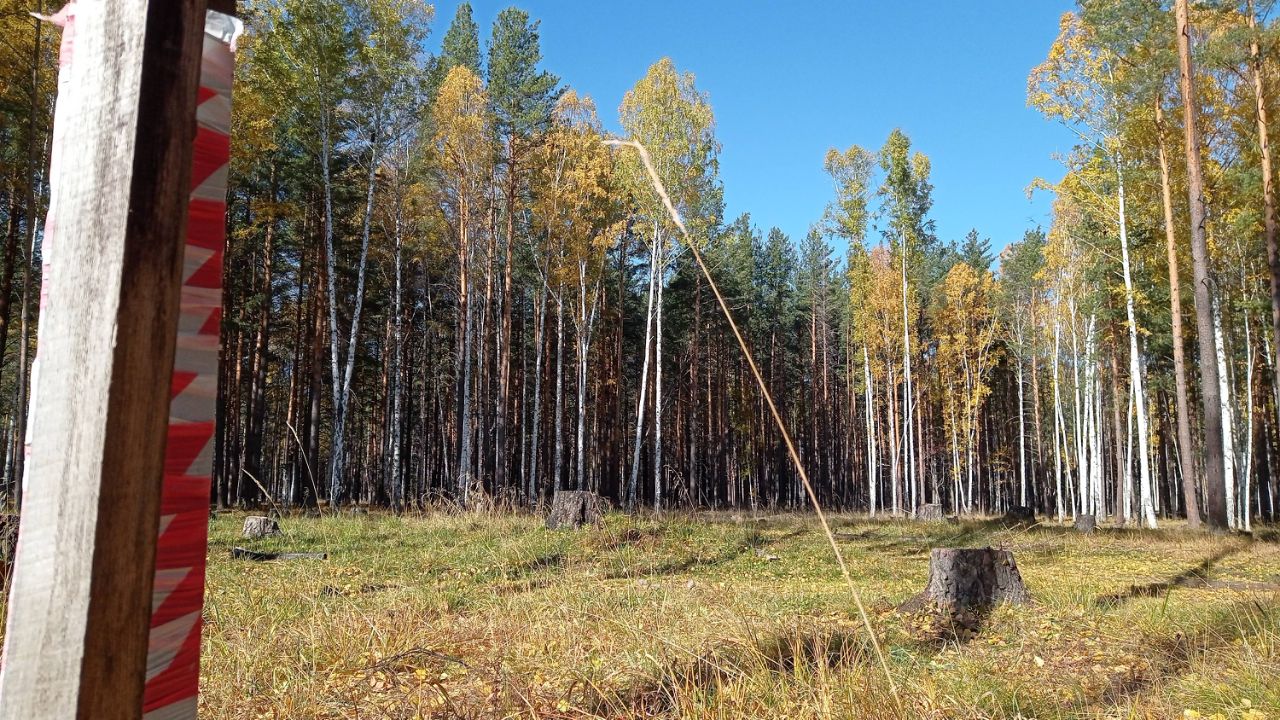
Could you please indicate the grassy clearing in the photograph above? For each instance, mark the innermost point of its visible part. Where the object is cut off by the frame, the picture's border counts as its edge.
(693, 617)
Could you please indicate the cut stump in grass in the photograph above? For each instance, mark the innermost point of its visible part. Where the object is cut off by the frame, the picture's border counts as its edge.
(1086, 523)
(929, 511)
(573, 509)
(258, 526)
(963, 580)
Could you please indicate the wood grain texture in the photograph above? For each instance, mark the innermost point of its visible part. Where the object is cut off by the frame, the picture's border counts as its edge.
(79, 608)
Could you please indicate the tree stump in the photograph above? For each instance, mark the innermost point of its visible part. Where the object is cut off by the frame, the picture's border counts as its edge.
(1086, 523)
(1020, 515)
(257, 526)
(930, 511)
(971, 579)
(573, 509)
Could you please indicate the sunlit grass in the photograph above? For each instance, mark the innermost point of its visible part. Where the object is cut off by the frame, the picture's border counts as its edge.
(721, 616)
(724, 616)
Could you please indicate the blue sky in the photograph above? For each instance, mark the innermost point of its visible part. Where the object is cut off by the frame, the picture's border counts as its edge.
(790, 79)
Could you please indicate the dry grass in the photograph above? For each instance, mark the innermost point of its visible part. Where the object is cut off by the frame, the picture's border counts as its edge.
(688, 617)
(455, 616)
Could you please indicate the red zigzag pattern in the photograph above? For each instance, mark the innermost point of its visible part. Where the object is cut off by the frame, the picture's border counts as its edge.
(173, 655)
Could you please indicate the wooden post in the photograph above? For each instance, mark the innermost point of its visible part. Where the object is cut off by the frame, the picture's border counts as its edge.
(80, 605)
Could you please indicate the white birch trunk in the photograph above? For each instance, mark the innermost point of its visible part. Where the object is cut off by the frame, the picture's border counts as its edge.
(586, 325)
(1228, 426)
(893, 443)
(1097, 504)
(909, 473)
(1128, 459)
(869, 393)
(1082, 462)
(1135, 362)
(1059, 432)
(633, 483)
(1245, 513)
(342, 386)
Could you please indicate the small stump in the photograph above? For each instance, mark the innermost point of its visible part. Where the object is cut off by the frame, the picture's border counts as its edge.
(965, 584)
(930, 511)
(1086, 523)
(573, 509)
(1020, 515)
(257, 526)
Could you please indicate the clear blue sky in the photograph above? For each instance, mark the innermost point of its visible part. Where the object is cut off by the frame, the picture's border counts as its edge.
(790, 79)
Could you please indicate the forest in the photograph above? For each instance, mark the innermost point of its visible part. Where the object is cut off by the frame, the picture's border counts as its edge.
(443, 288)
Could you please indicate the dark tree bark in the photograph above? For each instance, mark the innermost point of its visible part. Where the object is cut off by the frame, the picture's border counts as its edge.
(1210, 394)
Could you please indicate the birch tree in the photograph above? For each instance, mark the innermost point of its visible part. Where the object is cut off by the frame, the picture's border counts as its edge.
(463, 143)
(674, 121)
(1076, 86)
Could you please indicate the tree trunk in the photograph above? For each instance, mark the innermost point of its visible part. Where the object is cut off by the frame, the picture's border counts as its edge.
(1022, 438)
(1228, 424)
(1059, 432)
(632, 485)
(535, 427)
(1186, 461)
(557, 476)
(396, 476)
(1210, 393)
(1268, 183)
(657, 390)
(1135, 361)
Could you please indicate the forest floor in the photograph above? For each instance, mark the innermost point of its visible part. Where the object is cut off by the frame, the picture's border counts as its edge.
(717, 616)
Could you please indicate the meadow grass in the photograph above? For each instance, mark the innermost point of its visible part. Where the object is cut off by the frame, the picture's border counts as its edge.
(724, 616)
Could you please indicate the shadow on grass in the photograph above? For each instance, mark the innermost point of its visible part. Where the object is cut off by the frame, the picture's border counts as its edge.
(549, 561)
(755, 542)
(926, 535)
(797, 655)
(1172, 656)
(1196, 576)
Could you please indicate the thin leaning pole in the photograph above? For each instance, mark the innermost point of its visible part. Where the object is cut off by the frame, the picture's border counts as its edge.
(768, 398)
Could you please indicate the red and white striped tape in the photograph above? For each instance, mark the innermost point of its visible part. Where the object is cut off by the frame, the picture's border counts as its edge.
(173, 654)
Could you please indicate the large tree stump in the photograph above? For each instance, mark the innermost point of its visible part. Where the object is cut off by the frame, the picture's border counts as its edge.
(573, 509)
(930, 511)
(1086, 523)
(257, 526)
(1020, 515)
(969, 579)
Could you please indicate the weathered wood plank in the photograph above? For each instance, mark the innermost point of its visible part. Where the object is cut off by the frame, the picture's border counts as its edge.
(79, 608)
(227, 7)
